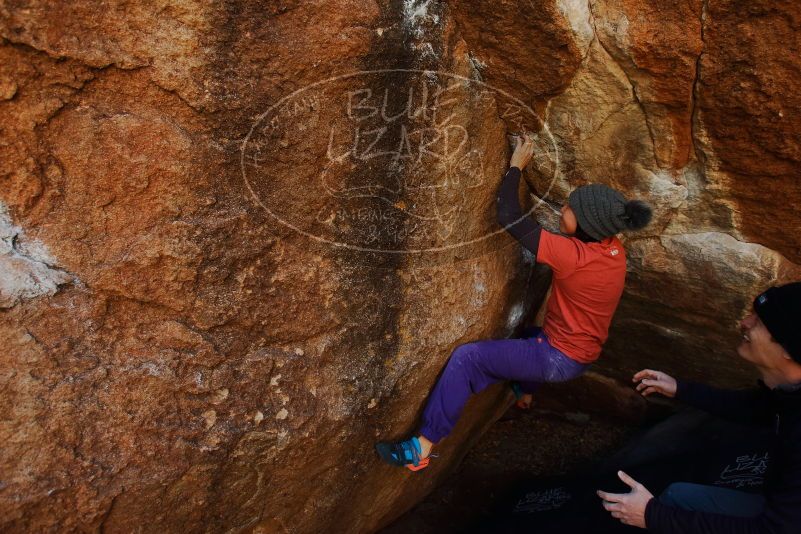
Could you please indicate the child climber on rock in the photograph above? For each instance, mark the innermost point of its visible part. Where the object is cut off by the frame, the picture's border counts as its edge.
(589, 270)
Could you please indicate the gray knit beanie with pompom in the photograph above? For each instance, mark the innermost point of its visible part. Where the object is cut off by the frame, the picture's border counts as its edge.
(602, 212)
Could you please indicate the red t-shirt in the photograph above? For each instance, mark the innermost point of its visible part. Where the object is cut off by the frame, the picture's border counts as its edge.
(587, 284)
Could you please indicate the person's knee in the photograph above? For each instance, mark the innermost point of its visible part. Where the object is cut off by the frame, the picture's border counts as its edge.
(677, 493)
(464, 355)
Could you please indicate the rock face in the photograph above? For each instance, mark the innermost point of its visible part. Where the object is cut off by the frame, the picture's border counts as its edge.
(238, 242)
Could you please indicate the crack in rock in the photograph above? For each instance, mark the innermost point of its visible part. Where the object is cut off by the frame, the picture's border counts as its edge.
(699, 153)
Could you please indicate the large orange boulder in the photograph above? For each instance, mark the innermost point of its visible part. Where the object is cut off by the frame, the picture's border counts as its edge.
(239, 241)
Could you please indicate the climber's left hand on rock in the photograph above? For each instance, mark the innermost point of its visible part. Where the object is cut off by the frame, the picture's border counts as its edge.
(524, 149)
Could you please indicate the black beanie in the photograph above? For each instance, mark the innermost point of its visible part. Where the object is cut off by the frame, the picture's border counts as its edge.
(779, 308)
(602, 212)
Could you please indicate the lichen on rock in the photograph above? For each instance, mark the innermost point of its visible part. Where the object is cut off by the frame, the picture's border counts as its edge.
(27, 269)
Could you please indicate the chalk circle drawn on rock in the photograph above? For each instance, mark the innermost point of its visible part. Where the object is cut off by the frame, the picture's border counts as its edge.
(393, 161)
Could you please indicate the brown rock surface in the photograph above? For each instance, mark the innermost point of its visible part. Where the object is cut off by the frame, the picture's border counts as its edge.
(750, 117)
(657, 44)
(227, 266)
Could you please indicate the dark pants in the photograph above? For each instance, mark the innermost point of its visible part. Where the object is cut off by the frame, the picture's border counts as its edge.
(474, 366)
(712, 499)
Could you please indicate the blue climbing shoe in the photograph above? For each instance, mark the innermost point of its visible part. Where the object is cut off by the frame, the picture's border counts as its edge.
(518, 391)
(402, 454)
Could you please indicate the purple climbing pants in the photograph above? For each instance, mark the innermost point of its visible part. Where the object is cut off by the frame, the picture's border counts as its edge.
(474, 366)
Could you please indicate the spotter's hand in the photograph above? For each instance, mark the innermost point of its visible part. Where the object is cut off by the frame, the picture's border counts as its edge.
(628, 507)
(524, 149)
(655, 382)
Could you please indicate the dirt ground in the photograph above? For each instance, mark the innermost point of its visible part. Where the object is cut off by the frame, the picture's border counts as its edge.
(522, 445)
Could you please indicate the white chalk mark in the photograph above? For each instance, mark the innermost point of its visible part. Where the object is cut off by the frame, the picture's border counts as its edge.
(27, 269)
